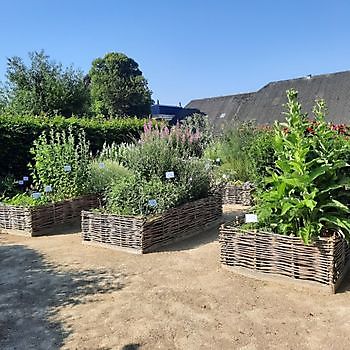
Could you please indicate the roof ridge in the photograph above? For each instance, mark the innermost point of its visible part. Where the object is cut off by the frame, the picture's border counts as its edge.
(310, 76)
(225, 96)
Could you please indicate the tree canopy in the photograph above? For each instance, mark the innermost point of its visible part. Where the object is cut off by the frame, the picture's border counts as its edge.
(44, 87)
(118, 87)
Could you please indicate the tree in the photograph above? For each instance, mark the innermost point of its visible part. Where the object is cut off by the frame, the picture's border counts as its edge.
(45, 87)
(118, 87)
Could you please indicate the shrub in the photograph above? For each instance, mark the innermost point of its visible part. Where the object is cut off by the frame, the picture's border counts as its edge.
(8, 186)
(131, 196)
(61, 161)
(260, 155)
(104, 173)
(228, 153)
(17, 134)
(160, 150)
(307, 192)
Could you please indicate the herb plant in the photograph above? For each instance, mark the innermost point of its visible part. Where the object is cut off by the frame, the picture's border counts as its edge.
(308, 190)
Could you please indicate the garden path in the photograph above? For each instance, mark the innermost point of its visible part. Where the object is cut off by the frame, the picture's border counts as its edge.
(56, 293)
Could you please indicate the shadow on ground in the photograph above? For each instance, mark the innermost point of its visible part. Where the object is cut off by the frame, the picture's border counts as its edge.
(345, 285)
(32, 291)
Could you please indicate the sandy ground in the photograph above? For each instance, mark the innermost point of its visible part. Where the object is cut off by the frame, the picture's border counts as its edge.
(56, 293)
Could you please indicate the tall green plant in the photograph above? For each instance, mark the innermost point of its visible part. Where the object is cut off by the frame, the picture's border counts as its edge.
(62, 161)
(308, 190)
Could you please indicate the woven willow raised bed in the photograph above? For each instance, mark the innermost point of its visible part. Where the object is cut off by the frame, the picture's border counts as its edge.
(326, 261)
(238, 194)
(147, 234)
(35, 221)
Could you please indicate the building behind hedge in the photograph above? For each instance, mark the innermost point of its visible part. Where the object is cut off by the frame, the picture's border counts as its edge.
(266, 105)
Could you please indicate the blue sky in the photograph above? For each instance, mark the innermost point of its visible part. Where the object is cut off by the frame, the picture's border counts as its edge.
(186, 49)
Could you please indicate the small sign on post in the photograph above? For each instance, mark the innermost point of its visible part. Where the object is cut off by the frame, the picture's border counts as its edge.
(25, 178)
(36, 195)
(152, 203)
(169, 175)
(67, 168)
(251, 218)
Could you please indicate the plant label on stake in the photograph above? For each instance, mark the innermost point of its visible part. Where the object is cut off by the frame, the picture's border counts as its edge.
(48, 188)
(20, 182)
(101, 165)
(25, 178)
(67, 168)
(36, 195)
(169, 175)
(152, 203)
(251, 218)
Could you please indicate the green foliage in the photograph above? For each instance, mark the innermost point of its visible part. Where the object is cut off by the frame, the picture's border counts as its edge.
(45, 87)
(17, 134)
(104, 173)
(159, 150)
(157, 153)
(131, 195)
(51, 154)
(308, 191)
(243, 153)
(118, 87)
(26, 200)
(229, 153)
(8, 186)
(261, 155)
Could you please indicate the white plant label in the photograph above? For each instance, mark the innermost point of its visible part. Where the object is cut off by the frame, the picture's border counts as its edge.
(36, 195)
(169, 175)
(251, 218)
(25, 178)
(67, 168)
(48, 188)
(20, 182)
(101, 165)
(218, 160)
(152, 203)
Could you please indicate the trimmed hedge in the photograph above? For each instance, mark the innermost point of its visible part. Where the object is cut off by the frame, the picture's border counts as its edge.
(17, 134)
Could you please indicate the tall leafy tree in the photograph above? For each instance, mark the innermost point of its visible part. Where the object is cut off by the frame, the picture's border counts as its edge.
(45, 87)
(118, 87)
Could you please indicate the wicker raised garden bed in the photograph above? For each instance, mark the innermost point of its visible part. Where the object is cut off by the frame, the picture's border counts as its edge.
(238, 194)
(147, 234)
(326, 261)
(35, 221)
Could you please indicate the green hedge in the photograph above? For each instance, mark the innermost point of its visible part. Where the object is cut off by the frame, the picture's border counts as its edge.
(18, 133)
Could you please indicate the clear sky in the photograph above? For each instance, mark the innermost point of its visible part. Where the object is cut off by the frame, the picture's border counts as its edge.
(186, 49)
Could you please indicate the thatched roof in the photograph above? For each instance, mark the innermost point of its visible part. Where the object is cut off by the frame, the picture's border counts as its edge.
(266, 105)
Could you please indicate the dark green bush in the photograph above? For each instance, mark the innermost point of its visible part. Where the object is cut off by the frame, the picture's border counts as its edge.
(17, 134)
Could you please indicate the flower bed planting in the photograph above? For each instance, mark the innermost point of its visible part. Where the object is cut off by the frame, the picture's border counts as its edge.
(300, 227)
(38, 220)
(148, 233)
(325, 261)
